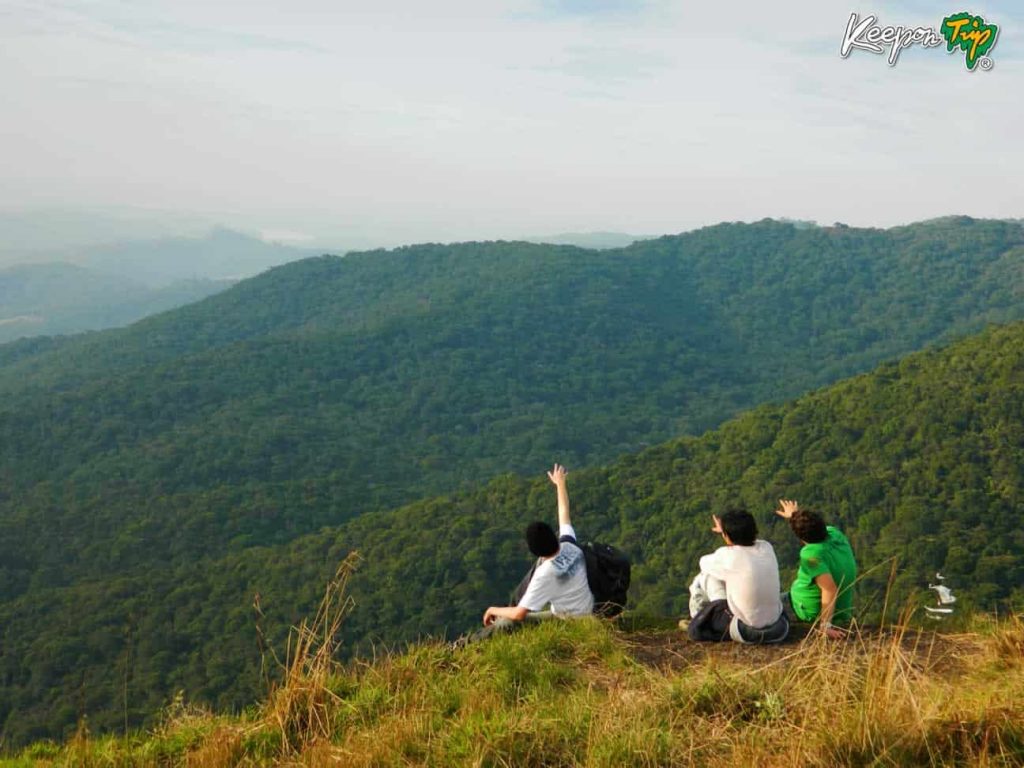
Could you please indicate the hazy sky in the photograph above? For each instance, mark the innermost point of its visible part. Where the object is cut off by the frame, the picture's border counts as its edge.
(460, 119)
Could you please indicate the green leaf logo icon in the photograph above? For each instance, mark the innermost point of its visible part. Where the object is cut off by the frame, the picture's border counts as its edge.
(971, 34)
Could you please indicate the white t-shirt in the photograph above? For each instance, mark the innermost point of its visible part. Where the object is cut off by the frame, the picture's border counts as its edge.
(751, 576)
(561, 581)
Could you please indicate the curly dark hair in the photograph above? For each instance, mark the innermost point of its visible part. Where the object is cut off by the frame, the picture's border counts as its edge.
(808, 526)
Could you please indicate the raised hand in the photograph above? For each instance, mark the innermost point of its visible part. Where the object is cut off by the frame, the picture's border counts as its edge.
(557, 475)
(788, 507)
(717, 527)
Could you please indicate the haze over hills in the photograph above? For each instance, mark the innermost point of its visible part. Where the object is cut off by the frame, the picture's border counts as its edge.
(44, 235)
(73, 289)
(221, 254)
(157, 249)
(47, 299)
(328, 388)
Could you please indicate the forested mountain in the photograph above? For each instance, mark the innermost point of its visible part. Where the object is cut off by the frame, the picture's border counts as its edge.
(142, 469)
(922, 461)
(37, 299)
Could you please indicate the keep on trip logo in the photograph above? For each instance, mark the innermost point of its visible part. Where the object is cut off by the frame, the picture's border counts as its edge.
(962, 31)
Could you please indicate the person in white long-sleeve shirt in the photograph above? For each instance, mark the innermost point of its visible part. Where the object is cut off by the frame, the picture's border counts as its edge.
(736, 593)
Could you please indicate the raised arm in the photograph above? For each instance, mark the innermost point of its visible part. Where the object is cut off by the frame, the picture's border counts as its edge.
(557, 476)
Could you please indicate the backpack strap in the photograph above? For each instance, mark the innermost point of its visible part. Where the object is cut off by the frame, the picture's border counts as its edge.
(520, 590)
(568, 538)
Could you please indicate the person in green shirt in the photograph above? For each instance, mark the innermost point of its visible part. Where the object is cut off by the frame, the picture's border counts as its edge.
(823, 588)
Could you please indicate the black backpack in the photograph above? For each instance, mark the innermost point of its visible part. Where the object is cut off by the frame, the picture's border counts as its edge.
(608, 570)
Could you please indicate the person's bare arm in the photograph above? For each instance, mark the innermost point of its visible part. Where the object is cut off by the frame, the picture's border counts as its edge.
(504, 612)
(829, 593)
(557, 476)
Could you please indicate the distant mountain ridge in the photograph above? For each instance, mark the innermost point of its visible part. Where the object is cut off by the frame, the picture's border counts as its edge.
(219, 253)
(595, 240)
(48, 299)
(222, 254)
(106, 286)
(42, 235)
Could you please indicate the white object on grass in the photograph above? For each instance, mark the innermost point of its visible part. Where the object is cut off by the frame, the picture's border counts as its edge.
(945, 594)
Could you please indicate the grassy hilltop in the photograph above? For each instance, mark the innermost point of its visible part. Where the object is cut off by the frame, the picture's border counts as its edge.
(580, 693)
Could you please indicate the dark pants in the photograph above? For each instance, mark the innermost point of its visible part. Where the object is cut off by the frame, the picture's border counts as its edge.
(713, 621)
(773, 633)
(711, 624)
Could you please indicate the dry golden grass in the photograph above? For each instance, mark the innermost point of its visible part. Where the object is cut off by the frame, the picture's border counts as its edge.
(302, 707)
(221, 749)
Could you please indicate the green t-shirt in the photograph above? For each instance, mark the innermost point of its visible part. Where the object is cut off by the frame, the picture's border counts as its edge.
(834, 556)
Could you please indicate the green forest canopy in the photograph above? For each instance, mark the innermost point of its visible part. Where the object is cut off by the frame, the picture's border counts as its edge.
(145, 470)
(385, 377)
(922, 460)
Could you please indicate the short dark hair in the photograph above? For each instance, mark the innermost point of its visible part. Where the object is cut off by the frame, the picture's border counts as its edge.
(541, 539)
(740, 526)
(808, 526)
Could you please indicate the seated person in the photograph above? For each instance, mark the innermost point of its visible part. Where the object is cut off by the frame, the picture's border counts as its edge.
(559, 578)
(735, 594)
(823, 589)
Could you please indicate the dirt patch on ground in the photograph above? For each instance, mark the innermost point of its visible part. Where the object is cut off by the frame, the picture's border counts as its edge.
(672, 650)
